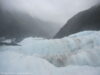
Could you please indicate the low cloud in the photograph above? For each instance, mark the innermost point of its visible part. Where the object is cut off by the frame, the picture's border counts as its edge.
(57, 11)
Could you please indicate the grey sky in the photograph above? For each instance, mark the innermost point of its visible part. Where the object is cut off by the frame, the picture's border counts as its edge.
(57, 11)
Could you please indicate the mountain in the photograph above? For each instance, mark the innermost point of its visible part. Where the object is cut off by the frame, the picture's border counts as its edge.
(85, 20)
(15, 24)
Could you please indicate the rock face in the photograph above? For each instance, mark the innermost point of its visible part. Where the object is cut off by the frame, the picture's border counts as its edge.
(85, 20)
(20, 25)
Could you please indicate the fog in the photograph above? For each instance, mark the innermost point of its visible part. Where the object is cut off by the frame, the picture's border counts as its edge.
(56, 11)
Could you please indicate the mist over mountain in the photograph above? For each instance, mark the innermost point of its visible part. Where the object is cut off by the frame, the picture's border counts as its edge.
(20, 25)
(28, 45)
(85, 20)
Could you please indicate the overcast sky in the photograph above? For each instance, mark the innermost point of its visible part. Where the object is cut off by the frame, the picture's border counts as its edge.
(57, 11)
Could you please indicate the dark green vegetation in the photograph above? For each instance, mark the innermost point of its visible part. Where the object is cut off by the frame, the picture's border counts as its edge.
(85, 20)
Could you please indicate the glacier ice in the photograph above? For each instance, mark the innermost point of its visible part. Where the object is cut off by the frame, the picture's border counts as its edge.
(78, 53)
(77, 49)
(13, 63)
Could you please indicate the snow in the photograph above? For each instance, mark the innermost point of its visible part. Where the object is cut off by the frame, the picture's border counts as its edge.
(76, 54)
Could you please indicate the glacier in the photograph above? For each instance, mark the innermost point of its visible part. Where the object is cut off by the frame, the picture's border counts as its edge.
(76, 54)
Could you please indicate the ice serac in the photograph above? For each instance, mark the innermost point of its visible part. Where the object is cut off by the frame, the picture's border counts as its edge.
(77, 54)
(17, 63)
(77, 49)
(85, 20)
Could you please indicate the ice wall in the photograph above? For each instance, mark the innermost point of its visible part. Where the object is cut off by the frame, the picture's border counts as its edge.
(12, 63)
(76, 53)
(78, 49)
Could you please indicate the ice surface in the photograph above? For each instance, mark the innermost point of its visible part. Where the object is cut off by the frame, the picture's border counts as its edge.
(13, 63)
(76, 54)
